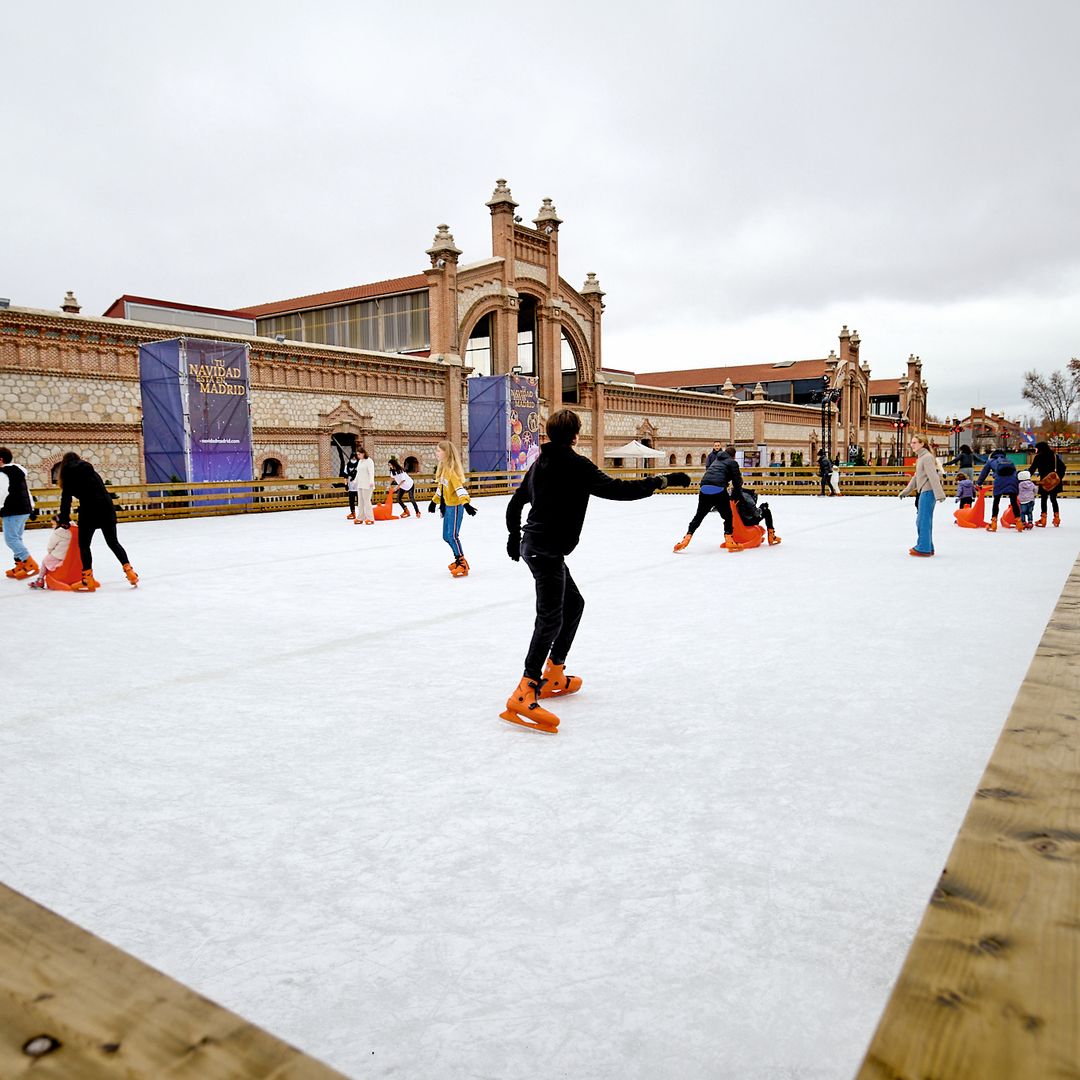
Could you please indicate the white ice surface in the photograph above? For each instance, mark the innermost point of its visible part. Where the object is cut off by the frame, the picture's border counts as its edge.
(276, 772)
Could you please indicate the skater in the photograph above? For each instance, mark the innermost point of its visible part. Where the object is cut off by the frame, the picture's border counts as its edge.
(965, 490)
(364, 481)
(1025, 496)
(1005, 483)
(967, 459)
(751, 512)
(557, 488)
(722, 471)
(348, 471)
(59, 542)
(79, 480)
(825, 472)
(404, 484)
(451, 492)
(15, 507)
(1050, 469)
(928, 490)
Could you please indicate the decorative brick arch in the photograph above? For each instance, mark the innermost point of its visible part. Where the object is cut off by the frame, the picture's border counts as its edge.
(343, 417)
(647, 430)
(583, 357)
(276, 455)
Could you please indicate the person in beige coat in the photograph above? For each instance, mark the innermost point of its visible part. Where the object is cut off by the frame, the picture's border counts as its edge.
(928, 490)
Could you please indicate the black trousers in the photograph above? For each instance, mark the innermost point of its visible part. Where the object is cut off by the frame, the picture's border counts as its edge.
(106, 524)
(965, 503)
(720, 501)
(558, 610)
(412, 498)
(1052, 496)
(1013, 502)
(352, 501)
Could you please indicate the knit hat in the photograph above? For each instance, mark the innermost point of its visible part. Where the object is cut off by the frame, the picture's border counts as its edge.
(1025, 475)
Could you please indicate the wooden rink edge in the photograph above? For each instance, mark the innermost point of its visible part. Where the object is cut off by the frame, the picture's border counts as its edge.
(114, 1016)
(990, 988)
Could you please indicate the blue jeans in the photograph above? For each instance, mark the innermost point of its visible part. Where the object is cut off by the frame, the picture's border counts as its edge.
(13, 535)
(926, 504)
(451, 527)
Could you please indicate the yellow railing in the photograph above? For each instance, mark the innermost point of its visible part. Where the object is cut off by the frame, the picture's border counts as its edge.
(138, 502)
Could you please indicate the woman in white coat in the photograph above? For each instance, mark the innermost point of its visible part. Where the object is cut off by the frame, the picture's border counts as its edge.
(365, 485)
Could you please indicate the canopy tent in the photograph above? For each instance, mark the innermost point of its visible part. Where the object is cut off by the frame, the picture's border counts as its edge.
(634, 449)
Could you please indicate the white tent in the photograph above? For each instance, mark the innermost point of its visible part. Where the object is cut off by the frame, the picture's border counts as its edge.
(634, 449)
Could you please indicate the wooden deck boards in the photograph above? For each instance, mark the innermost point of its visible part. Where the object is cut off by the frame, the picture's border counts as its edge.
(113, 1016)
(990, 989)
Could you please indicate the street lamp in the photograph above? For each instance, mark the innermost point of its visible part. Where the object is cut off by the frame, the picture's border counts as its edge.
(956, 430)
(900, 424)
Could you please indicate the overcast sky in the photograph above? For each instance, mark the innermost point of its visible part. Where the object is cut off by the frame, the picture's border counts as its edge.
(744, 179)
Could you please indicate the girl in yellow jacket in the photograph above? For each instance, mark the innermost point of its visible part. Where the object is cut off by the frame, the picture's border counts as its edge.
(450, 491)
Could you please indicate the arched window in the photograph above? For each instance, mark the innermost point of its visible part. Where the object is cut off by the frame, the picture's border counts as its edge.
(672, 460)
(271, 469)
(478, 347)
(689, 459)
(54, 475)
(704, 458)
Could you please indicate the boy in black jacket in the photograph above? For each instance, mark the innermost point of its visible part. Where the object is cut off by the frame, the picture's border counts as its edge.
(558, 486)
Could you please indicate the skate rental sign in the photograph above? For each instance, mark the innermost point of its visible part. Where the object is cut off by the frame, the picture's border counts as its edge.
(196, 413)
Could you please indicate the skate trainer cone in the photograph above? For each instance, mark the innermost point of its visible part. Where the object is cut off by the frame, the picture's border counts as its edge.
(746, 536)
(973, 516)
(385, 510)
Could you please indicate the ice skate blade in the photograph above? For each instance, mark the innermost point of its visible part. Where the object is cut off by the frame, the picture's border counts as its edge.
(520, 721)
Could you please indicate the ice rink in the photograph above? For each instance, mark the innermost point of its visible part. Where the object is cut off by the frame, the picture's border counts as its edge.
(276, 772)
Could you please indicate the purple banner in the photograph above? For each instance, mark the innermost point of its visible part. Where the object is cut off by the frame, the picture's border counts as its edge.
(219, 421)
(524, 421)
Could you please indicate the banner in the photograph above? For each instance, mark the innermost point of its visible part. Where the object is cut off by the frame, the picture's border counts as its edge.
(196, 419)
(504, 422)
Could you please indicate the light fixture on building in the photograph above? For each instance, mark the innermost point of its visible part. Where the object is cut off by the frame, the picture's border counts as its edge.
(279, 338)
(517, 369)
(440, 264)
(517, 219)
(548, 230)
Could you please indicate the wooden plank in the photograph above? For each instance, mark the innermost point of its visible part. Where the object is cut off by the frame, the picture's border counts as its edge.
(990, 989)
(96, 1012)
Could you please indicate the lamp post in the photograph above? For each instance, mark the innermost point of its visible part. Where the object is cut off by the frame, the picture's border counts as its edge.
(900, 424)
(956, 429)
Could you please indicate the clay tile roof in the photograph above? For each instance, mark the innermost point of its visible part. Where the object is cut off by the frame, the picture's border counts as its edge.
(744, 374)
(337, 296)
(884, 387)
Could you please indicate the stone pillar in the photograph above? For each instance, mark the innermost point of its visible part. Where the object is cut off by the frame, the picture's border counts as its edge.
(442, 295)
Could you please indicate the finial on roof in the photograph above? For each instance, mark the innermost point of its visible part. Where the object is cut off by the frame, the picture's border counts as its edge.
(546, 216)
(443, 246)
(501, 196)
(591, 285)
(759, 392)
(729, 386)
(844, 333)
(70, 304)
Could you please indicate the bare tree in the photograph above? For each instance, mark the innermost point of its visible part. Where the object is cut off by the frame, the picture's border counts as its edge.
(1054, 396)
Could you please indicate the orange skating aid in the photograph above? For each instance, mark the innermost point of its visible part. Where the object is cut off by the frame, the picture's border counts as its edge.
(385, 510)
(556, 682)
(523, 709)
(973, 516)
(1008, 519)
(69, 573)
(746, 536)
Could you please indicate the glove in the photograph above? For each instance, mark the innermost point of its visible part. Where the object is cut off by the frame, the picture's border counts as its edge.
(470, 510)
(513, 546)
(431, 507)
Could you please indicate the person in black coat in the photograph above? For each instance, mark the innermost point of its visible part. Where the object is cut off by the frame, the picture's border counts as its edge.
(966, 459)
(79, 480)
(721, 472)
(1045, 464)
(825, 468)
(558, 486)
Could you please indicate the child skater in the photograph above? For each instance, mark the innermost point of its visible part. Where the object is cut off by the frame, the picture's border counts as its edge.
(558, 487)
(348, 470)
(965, 490)
(451, 492)
(404, 484)
(59, 542)
(1026, 497)
(363, 483)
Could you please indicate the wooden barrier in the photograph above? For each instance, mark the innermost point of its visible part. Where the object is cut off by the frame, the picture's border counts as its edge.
(990, 989)
(73, 1006)
(141, 502)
